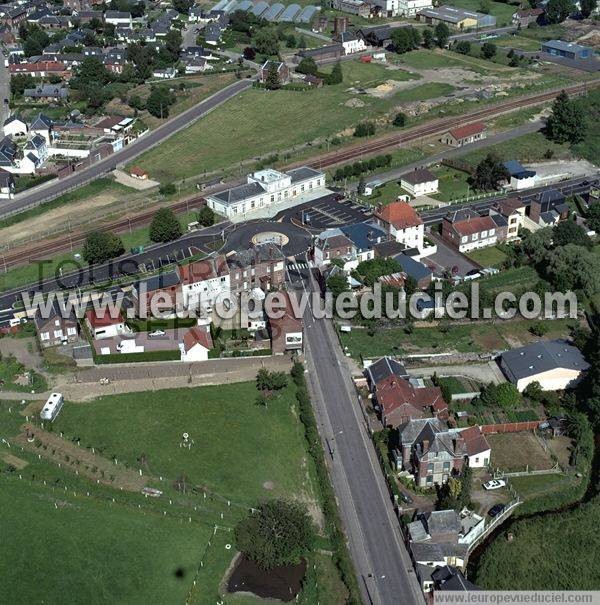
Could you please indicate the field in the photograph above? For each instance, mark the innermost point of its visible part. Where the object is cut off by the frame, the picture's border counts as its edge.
(435, 59)
(518, 42)
(464, 338)
(503, 12)
(488, 257)
(453, 184)
(517, 451)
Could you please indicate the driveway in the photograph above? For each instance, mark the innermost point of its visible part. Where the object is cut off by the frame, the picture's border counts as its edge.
(447, 258)
(481, 372)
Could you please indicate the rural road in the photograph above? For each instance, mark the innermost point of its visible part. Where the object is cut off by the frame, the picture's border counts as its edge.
(383, 566)
(148, 141)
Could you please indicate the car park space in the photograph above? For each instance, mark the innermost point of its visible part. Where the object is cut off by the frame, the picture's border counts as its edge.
(167, 341)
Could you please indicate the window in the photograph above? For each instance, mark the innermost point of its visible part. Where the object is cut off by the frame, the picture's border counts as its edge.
(71, 331)
(446, 466)
(273, 198)
(429, 480)
(58, 333)
(252, 204)
(484, 234)
(57, 322)
(430, 468)
(474, 236)
(45, 336)
(464, 239)
(492, 231)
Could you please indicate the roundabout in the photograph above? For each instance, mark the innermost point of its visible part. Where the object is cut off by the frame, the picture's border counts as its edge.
(292, 239)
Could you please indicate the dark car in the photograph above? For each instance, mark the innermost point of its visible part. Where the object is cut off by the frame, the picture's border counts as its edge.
(496, 510)
(406, 498)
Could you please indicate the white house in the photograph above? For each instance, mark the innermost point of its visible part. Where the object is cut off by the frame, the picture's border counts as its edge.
(409, 8)
(403, 223)
(419, 182)
(103, 325)
(389, 8)
(14, 127)
(118, 18)
(197, 342)
(42, 125)
(520, 177)
(478, 449)
(268, 189)
(352, 43)
(204, 281)
(554, 364)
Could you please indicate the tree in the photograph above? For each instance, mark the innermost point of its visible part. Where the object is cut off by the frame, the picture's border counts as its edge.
(592, 218)
(279, 533)
(370, 270)
(360, 189)
(463, 47)
(536, 244)
(166, 189)
(428, 38)
(489, 173)
(442, 34)
(506, 395)
(337, 284)
(587, 7)
(165, 226)
(400, 119)
(569, 232)
(539, 329)
(101, 246)
(266, 42)
(405, 39)
(534, 391)
(558, 10)
(488, 50)
(270, 381)
(158, 102)
(364, 129)
(485, 6)
(19, 82)
(182, 6)
(573, 267)
(336, 76)
(272, 78)
(206, 217)
(307, 66)
(249, 53)
(35, 42)
(290, 41)
(90, 72)
(567, 122)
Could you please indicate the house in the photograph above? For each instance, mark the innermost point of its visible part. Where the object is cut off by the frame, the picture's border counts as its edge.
(420, 181)
(261, 266)
(549, 202)
(513, 209)
(102, 325)
(478, 449)
(55, 329)
(520, 177)
(313, 80)
(158, 292)
(7, 184)
(451, 578)
(568, 50)
(333, 244)
(203, 282)
(41, 69)
(351, 43)
(138, 173)
(8, 153)
(283, 72)
(401, 221)
(285, 329)
(383, 369)
(457, 137)
(378, 35)
(416, 270)
(47, 92)
(353, 7)
(196, 344)
(364, 237)
(14, 127)
(466, 230)
(42, 125)
(429, 451)
(456, 18)
(524, 16)
(118, 18)
(399, 399)
(409, 8)
(267, 189)
(322, 53)
(554, 364)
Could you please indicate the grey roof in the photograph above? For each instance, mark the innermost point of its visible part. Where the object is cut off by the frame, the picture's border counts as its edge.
(542, 356)
(411, 429)
(303, 173)
(442, 522)
(260, 8)
(306, 15)
(413, 268)
(244, 5)
(239, 193)
(35, 142)
(455, 15)
(451, 578)
(41, 122)
(12, 118)
(47, 90)
(117, 15)
(290, 13)
(418, 531)
(566, 46)
(273, 11)
(551, 196)
(255, 254)
(419, 175)
(162, 280)
(383, 368)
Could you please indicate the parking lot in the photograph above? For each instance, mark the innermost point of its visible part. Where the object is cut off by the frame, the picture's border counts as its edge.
(169, 342)
(328, 212)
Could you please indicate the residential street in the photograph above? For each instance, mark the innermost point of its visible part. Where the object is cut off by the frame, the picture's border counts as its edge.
(383, 566)
(4, 90)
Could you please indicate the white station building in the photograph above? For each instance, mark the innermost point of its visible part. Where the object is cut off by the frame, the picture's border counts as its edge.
(269, 189)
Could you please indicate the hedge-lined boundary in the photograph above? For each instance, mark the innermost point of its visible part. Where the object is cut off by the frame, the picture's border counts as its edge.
(328, 502)
(168, 355)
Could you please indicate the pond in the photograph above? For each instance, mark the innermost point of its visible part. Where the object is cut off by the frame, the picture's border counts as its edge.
(282, 583)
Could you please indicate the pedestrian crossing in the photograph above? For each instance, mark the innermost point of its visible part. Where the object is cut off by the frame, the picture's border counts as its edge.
(297, 266)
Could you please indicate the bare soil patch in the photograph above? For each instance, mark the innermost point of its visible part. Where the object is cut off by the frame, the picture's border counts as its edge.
(518, 451)
(18, 463)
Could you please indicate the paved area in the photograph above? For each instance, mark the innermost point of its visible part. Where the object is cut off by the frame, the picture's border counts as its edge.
(139, 184)
(548, 172)
(169, 342)
(4, 90)
(24, 349)
(447, 257)
(483, 372)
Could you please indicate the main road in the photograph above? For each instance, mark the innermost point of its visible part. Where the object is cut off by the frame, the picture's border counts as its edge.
(384, 570)
(144, 143)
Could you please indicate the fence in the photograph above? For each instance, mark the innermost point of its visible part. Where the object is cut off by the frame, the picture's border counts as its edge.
(555, 470)
(510, 427)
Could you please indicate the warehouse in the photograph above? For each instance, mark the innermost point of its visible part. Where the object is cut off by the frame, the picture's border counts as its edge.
(569, 50)
(456, 18)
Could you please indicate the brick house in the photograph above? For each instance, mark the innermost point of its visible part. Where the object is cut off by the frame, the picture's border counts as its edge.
(466, 230)
(402, 223)
(457, 137)
(162, 289)
(55, 329)
(283, 72)
(261, 266)
(332, 244)
(287, 331)
(524, 16)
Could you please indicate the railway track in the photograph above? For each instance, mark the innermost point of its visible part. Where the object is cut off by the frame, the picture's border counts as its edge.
(74, 240)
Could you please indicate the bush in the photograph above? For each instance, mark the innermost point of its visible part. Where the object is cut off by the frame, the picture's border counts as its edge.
(364, 129)
(167, 189)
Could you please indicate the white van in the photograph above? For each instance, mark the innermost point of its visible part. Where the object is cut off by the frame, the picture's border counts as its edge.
(52, 407)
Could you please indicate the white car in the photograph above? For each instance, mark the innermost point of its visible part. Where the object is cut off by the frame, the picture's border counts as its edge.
(156, 333)
(494, 484)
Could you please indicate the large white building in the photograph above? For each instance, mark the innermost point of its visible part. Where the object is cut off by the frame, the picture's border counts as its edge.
(419, 182)
(409, 8)
(403, 223)
(267, 189)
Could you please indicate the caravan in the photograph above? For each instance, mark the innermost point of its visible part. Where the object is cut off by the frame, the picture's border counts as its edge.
(52, 407)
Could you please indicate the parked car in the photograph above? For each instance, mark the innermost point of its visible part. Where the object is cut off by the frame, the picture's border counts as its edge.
(494, 484)
(496, 510)
(156, 333)
(406, 498)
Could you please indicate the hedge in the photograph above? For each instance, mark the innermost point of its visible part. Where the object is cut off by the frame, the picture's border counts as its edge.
(330, 509)
(168, 355)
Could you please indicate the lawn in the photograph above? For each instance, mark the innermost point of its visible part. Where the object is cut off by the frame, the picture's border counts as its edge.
(453, 184)
(488, 257)
(228, 135)
(440, 59)
(239, 447)
(518, 42)
(533, 486)
(58, 549)
(518, 451)
(503, 12)
(369, 75)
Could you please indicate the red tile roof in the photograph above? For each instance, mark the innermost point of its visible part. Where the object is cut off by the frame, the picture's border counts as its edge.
(474, 225)
(475, 441)
(41, 66)
(137, 171)
(202, 270)
(399, 214)
(102, 319)
(197, 336)
(468, 130)
(393, 392)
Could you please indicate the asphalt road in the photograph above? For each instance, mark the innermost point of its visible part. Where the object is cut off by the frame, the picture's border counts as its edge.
(58, 187)
(382, 563)
(4, 90)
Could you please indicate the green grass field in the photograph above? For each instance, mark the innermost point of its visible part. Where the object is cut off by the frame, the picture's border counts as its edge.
(453, 184)
(503, 12)
(239, 446)
(60, 549)
(440, 59)
(520, 42)
(488, 257)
